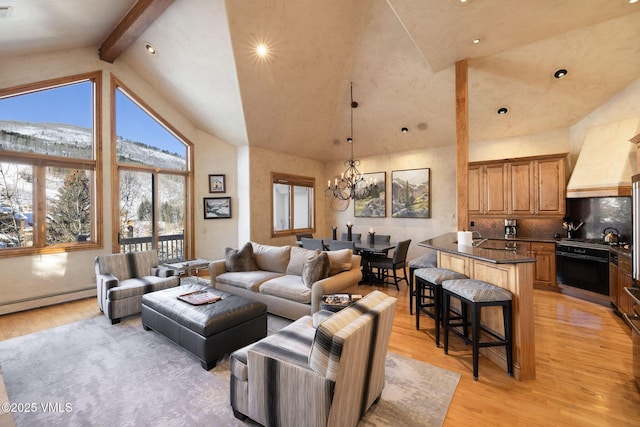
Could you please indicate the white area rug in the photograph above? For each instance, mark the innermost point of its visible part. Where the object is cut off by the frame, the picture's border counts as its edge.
(92, 373)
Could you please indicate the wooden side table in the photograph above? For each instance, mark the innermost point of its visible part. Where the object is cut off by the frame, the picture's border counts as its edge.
(189, 267)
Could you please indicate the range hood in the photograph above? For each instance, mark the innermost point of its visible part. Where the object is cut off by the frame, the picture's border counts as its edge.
(606, 162)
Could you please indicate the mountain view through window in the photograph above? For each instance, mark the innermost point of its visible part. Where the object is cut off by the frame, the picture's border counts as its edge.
(47, 160)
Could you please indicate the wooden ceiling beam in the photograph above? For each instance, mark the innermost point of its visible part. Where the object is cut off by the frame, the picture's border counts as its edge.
(137, 20)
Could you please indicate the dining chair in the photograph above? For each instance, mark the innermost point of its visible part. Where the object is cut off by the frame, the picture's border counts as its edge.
(335, 245)
(354, 236)
(380, 238)
(399, 260)
(299, 236)
(315, 244)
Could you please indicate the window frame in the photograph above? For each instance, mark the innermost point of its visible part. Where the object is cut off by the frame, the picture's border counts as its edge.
(40, 162)
(292, 180)
(189, 228)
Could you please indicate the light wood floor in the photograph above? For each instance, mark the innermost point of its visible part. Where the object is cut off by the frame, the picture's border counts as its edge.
(583, 363)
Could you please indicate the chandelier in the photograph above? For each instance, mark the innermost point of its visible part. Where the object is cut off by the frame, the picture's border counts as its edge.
(351, 184)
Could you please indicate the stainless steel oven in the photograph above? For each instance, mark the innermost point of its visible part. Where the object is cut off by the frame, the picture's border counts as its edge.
(583, 265)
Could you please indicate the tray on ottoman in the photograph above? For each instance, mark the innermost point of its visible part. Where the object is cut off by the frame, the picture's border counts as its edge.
(208, 331)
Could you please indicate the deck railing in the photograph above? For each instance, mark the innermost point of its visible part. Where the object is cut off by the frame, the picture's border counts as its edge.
(170, 247)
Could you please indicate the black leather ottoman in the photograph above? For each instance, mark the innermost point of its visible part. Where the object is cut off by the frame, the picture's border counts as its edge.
(210, 330)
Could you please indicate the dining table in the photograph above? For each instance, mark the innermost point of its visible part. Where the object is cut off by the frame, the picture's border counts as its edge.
(369, 250)
(366, 247)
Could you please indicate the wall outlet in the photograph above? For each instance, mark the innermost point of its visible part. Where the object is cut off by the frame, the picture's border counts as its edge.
(472, 223)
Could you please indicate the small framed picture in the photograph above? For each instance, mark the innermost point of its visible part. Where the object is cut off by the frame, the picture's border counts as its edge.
(216, 184)
(217, 207)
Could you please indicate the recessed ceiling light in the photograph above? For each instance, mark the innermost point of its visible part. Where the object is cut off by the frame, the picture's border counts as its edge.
(475, 41)
(633, 1)
(502, 110)
(463, 1)
(560, 73)
(404, 130)
(262, 50)
(152, 50)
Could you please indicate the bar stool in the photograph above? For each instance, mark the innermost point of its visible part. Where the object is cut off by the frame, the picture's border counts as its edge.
(478, 294)
(428, 260)
(430, 279)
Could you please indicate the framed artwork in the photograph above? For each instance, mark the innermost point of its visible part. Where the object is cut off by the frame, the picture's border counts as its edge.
(411, 193)
(217, 207)
(216, 184)
(373, 205)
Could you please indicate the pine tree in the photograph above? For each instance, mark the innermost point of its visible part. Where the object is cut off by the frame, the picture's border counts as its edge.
(70, 214)
(144, 210)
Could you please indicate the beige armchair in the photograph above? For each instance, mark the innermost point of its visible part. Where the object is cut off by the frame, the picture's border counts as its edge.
(122, 279)
(324, 376)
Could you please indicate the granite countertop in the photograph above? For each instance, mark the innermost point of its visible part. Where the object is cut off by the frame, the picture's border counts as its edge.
(497, 255)
(525, 239)
(621, 251)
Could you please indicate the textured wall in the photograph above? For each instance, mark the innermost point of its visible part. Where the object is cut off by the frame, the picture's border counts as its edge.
(262, 163)
(441, 161)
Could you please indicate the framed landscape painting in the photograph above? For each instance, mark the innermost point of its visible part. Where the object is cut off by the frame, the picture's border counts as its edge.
(410, 193)
(217, 207)
(373, 205)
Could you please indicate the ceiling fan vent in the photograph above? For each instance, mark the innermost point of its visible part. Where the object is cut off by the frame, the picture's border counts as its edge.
(4, 11)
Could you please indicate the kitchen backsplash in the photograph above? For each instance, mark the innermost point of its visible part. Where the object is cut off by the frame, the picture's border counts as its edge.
(540, 228)
(597, 213)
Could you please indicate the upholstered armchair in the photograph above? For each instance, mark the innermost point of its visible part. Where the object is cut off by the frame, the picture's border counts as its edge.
(324, 376)
(122, 279)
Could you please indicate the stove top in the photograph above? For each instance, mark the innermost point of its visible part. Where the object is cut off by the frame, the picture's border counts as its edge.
(590, 243)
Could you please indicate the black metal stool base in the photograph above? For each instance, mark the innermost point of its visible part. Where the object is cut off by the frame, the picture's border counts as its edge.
(476, 327)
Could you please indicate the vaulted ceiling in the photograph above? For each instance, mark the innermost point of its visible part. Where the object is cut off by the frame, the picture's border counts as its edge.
(399, 54)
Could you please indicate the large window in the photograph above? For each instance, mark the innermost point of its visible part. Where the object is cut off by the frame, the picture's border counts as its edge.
(49, 166)
(293, 207)
(153, 171)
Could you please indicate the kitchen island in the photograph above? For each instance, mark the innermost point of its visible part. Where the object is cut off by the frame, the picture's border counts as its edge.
(509, 269)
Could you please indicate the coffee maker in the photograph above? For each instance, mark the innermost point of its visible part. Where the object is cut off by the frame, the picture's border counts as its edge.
(510, 226)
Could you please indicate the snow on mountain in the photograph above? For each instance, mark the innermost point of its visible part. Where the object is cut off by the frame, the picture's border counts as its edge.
(73, 141)
(76, 142)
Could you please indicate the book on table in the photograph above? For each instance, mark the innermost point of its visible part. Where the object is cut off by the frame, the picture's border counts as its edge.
(199, 297)
(340, 299)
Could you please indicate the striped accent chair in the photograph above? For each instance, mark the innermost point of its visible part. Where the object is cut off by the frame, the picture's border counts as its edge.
(328, 375)
(122, 279)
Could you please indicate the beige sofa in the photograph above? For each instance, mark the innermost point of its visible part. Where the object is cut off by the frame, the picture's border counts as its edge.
(277, 279)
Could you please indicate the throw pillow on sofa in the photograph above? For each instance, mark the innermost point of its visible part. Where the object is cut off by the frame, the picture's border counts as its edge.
(315, 269)
(271, 258)
(340, 261)
(297, 259)
(240, 260)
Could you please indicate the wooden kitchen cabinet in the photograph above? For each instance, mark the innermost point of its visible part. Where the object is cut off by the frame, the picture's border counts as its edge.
(551, 186)
(488, 189)
(613, 283)
(545, 269)
(519, 187)
(495, 189)
(624, 281)
(475, 189)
